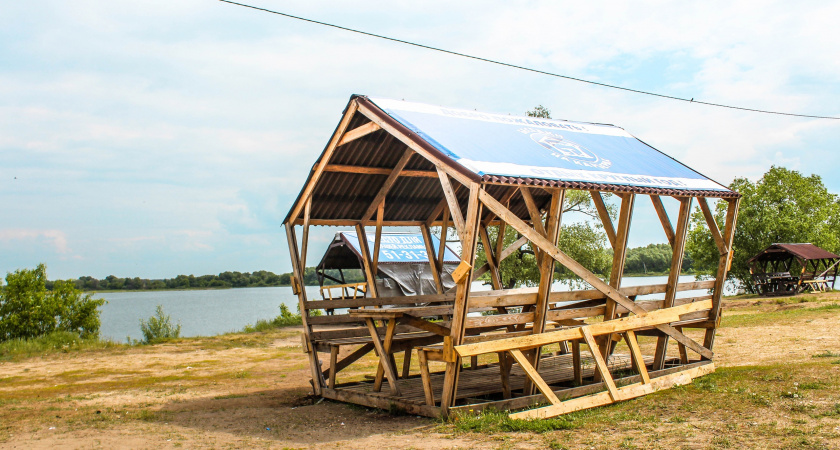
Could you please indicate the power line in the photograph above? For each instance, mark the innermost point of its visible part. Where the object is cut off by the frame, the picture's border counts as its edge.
(542, 72)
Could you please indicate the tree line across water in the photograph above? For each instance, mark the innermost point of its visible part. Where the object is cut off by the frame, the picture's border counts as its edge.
(653, 259)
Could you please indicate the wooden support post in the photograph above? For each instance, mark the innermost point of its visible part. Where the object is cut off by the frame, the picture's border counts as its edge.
(552, 229)
(307, 210)
(430, 252)
(452, 200)
(713, 226)
(314, 365)
(462, 295)
(425, 377)
(370, 275)
(622, 235)
(333, 366)
(636, 355)
(723, 268)
(377, 239)
(444, 231)
(600, 362)
(504, 372)
(674, 275)
(490, 254)
(406, 371)
(578, 370)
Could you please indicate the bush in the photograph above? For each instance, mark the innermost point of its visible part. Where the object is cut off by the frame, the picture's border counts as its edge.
(285, 319)
(28, 310)
(159, 327)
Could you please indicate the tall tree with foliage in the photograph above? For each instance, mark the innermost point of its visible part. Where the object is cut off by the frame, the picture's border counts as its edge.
(583, 241)
(782, 207)
(28, 310)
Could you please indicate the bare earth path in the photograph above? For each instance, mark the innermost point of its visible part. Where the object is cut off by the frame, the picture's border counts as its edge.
(251, 391)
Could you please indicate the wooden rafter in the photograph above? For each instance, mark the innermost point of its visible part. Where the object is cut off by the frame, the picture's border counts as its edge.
(430, 252)
(367, 264)
(377, 240)
(386, 186)
(452, 201)
(339, 168)
(358, 132)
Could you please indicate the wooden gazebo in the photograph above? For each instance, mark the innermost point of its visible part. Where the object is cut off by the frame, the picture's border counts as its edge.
(788, 269)
(400, 164)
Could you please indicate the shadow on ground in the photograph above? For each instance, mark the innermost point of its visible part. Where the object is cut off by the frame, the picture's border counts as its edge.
(288, 415)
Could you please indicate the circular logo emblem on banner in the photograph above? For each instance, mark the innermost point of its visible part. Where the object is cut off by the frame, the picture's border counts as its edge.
(562, 148)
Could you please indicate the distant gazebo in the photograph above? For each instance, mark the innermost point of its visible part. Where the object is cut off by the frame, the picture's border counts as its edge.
(788, 269)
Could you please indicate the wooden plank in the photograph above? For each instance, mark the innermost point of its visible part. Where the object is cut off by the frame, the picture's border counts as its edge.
(581, 271)
(604, 398)
(386, 186)
(370, 275)
(425, 377)
(384, 356)
(430, 253)
(713, 226)
(534, 376)
(426, 325)
(636, 353)
(378, 401)
(563, 393)
(452, 201)
(663, 218)
(325, 158)
(333, 368)
(364, 170)
(678, 252)
(358, 132)
(600, 363)
(578, 373)
(604, 215)
(533, 211)
(620, 325)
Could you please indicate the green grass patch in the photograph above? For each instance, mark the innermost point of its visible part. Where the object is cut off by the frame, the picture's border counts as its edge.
(499, 422)
(55, 342)
(763, 318)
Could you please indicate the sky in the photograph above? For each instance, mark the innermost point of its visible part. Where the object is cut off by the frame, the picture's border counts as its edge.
(159, 138)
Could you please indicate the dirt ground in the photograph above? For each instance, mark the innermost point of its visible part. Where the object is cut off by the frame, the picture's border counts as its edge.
(252, 391)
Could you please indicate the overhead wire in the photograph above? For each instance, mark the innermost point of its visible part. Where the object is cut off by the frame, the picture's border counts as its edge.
(529, 69)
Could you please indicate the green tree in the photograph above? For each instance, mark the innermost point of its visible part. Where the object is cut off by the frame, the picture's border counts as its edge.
(782, 207)
(159, 327)
(28, 310)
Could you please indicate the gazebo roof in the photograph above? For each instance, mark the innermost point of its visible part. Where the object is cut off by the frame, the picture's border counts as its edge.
(501, 151)
(804, 251)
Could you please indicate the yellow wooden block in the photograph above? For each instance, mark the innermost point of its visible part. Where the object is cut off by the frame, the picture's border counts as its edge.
(461, 271)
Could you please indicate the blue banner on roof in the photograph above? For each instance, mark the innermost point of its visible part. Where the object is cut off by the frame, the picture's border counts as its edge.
(529, 147)
(401, 247)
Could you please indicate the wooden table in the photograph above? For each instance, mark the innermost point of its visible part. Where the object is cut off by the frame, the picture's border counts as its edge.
(392, 317)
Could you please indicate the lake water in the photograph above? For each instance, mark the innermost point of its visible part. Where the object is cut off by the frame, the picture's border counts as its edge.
(212, 312)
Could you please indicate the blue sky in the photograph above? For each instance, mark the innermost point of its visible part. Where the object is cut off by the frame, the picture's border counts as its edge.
(157, 138)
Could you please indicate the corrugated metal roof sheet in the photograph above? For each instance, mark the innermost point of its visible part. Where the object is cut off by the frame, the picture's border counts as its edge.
(347, 195)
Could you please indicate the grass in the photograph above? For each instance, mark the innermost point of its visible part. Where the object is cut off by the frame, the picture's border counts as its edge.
(55, 342)
(757, 318)
(499, 421)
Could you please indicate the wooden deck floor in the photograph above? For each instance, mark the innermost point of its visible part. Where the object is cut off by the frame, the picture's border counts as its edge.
(487, 380)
